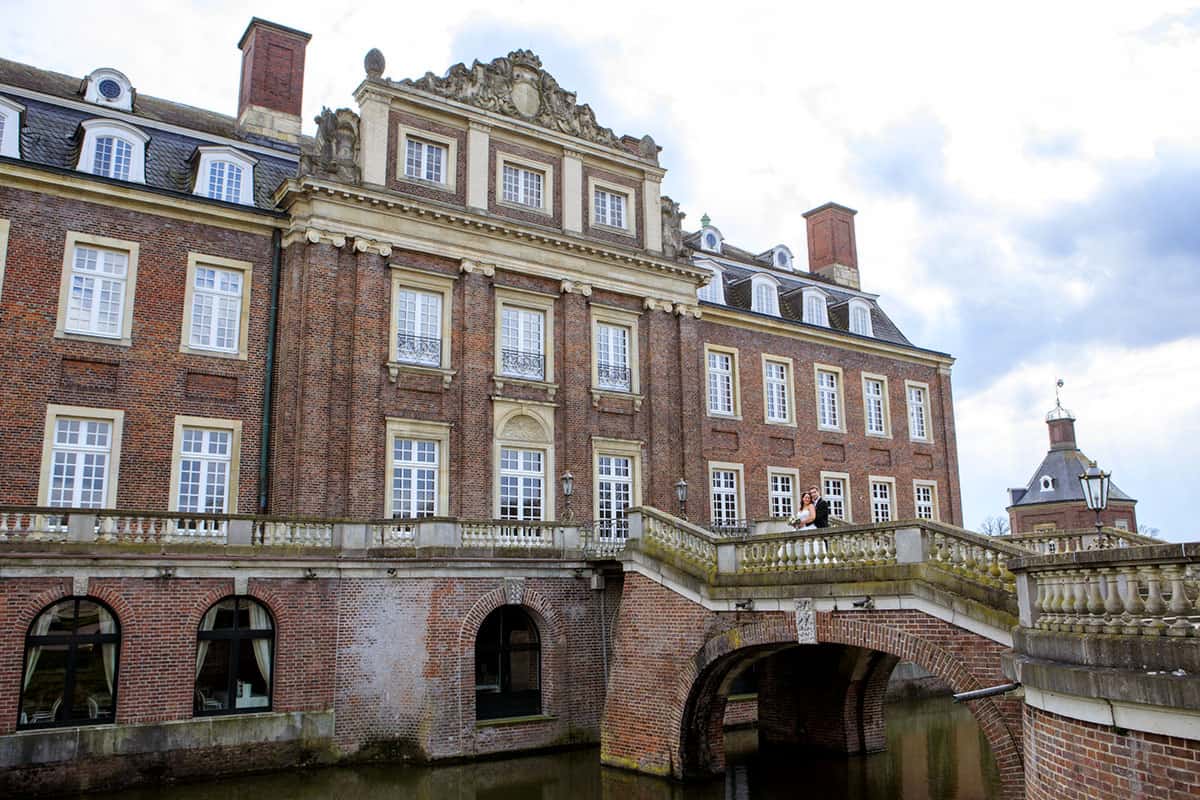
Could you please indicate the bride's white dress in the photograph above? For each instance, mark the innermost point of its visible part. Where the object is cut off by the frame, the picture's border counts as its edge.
(806, 517)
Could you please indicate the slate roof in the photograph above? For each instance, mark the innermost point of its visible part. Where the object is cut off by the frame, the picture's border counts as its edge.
(740, 265)
(51, 133)
(1064, 466)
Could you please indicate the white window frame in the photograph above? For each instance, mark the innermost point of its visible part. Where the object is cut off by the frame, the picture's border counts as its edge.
(91, 92)
(1046, 483)
(720, 240)
(207, 156)
(631, 449)
(847, 505)
(197, 261)
(872, 482)
(739, 489)
(10, 136)
(94, 129)
(734, 377)
(935, 509)
(839, 397)
(926, 411)
(232, 479)
(822, 310)
(55, 412)
(449, 144)
(714, 290)
(630, 201)
(859, 312)
(620, 318)
(884, 402)
(517, 162)
(525, 425)
(788, 260)
(536, 302)
(546, 495)
(769, 291)
(793, 475)
(439, 432)
(77, 239)
(789, 389)
(1121, 524)
(416, 280)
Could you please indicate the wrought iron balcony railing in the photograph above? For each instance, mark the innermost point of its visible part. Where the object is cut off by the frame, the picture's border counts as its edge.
(613, 376)
(425, 350)
(523, 364)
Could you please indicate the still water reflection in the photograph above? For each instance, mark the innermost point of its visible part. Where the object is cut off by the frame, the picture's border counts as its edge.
(935, 752)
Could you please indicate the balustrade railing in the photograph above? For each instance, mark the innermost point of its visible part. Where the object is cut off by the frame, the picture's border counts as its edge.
(692, 544)
(293, 533)
(730, 527)
(603, 538)
(508, 533)
(1075, 541)
(809, 551)
(33, 525)
(973, 556)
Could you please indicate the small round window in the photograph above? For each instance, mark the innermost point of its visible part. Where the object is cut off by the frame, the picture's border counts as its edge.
(710, 240)
(110, 89)
(781, 259)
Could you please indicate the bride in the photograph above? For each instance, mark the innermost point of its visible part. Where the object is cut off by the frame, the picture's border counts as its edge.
(808, 513)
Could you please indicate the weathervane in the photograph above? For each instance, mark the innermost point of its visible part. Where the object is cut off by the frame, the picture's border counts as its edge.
(1058, 385)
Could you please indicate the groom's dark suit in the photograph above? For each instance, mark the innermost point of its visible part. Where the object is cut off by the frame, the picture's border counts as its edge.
(821, 520)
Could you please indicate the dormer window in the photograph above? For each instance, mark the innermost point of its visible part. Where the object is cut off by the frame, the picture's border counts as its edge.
(714, 290)
(108, 87)
(10, 128)
(114, 150)
(1047, 483)
(764, 295)
(816, 310)
(781, 258)
(711, 239)
(860, 318)
(223, 173)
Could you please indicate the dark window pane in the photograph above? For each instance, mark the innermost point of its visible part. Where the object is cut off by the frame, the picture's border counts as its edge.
(58, 619)
(226, 615)
(92, 695)
(212, 679)
(87, 619)
(507, 665)
(253, 674)
(523, 671)
(45, 682)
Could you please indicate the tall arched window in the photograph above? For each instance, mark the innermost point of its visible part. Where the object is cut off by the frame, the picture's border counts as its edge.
(235, 654)
(70, 675)
(508, 658)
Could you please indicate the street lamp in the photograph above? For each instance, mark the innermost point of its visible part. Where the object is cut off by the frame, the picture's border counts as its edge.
(681, 496)
(568, 489)
(1095, 483)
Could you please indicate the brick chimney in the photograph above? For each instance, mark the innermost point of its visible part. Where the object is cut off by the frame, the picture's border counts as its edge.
(832, 251)
(272, 85)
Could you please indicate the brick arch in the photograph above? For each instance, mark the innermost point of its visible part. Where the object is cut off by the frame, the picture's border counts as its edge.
(694, 718)
(278, 610)
(552, 631)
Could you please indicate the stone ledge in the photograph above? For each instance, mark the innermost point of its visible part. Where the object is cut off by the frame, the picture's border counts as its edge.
(1168, 692)
(1137, 653)
(52, 745)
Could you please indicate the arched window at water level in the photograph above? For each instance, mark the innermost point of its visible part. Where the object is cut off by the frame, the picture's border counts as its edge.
(235, 656)
(507, 666)
(70, 674)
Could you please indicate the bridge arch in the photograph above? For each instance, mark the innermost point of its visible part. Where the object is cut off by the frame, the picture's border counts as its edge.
(696, 737)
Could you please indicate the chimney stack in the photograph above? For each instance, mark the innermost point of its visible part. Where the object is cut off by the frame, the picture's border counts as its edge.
(832, 250)
(272, 86)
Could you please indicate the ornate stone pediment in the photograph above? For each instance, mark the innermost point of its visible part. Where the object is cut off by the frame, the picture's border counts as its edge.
(517, 86)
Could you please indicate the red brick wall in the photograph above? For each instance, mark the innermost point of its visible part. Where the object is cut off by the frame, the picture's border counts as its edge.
(150, 380)
(1066, 759)
(272, 69)
(1070, 516)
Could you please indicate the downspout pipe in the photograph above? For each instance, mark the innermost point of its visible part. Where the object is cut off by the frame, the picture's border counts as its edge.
(264, 445)
(991, 691)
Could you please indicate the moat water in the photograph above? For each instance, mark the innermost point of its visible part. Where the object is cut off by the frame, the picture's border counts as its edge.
(936, 751)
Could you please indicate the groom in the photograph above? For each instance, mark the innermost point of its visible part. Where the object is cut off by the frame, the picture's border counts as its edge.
(822, 508)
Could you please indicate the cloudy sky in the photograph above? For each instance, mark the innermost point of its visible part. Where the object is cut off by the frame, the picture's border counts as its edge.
(1027, 175)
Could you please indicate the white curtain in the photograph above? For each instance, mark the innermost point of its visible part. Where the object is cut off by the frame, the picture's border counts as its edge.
(206, 624)
(260, 620)
(41, 627)
(109, 650)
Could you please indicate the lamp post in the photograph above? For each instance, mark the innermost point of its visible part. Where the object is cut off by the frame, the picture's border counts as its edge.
(681, 496)
(568, 489)
(1095, 483)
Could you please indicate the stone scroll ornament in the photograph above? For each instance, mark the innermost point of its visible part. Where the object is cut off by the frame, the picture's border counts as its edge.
(517, 86)
(806, 621)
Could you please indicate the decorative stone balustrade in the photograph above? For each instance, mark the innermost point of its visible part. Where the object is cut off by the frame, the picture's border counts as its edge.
(32, 525)
(1074, 541)
(692, 544)
(808, 551)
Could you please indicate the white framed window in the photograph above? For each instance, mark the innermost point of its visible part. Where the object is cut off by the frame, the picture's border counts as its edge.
(764, 295)
(883, 494)
(782, 489)
(710, 238)
(778, 394)
(223, 173)
(10, 128)
(97, 291)
(81, 456)
(1121, 524)
(205, 457)
(109, 87)
(527, 184)
(925, 500)
(876, 405)
(725, 493)
(835, 488)
(524, 335)
(612, 357)
(781, 258)
(829, 397)
(1047, 483)
(815, 307)
(860, 317)
(418, 455)
(424, 161)
(722, 371)
(714, 290)
(418, 327)
(918, 411)
(216, 306)
(617, 465)
(113, 149)
(609, 208)
(522, 484)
